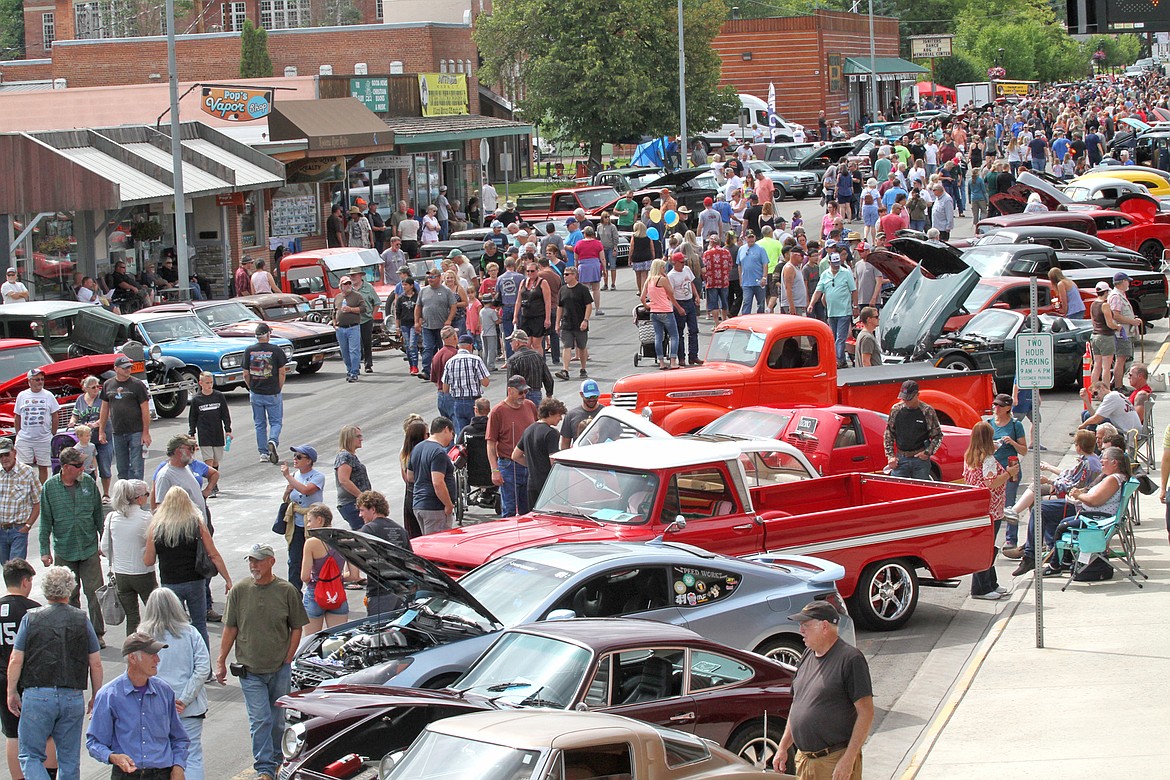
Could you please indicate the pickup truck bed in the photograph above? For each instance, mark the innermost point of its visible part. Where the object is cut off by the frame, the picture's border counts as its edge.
(877, 387)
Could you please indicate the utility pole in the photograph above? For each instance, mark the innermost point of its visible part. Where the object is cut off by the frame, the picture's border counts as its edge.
(181, 259)
(873, 89)
(683, 148)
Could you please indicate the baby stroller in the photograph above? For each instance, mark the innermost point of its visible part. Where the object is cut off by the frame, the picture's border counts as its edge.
(59, 442)
(646, 336)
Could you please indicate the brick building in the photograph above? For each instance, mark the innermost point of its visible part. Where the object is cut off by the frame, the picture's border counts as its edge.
(817, 62)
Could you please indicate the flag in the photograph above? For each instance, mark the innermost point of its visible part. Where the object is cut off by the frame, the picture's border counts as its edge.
(772, 121)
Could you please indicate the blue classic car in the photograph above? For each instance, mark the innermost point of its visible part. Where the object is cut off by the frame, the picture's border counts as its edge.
(188, 338)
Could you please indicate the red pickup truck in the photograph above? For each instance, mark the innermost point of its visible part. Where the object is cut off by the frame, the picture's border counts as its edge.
(743, 498)
(781, 360)
(560, 204)
(316, 274)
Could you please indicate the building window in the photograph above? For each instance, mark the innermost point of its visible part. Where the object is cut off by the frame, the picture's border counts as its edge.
(442, 66)
(379, 11)
(48, 30)
(232, 16)
(284, 14)
(106, 19)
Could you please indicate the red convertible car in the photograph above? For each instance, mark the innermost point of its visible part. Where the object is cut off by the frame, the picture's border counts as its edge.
(661, 674)
(837, 439)
(62, 378)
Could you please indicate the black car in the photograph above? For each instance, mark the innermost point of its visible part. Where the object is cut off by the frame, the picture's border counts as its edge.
(817, 160)
(1065, 240)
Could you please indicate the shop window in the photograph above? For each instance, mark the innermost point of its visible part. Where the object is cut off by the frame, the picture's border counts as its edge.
(48, 29)
(250, 221)
(379, 10)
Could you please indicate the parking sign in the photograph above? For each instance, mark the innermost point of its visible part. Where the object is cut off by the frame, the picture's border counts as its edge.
(1035, 361)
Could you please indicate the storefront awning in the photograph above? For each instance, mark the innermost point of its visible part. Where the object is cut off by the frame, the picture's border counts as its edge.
(885, 66)
(332, 126)
(110, 168)
(430, 134)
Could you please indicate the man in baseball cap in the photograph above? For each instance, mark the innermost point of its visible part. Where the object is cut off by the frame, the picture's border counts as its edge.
(590, 406)
(912, 434)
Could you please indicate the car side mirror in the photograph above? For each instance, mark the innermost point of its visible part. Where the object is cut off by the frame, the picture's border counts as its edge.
(561, 614)
(1001, 305)
(679, 524)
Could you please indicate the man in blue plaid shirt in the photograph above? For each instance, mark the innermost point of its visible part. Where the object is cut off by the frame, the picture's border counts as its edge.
(464, 377)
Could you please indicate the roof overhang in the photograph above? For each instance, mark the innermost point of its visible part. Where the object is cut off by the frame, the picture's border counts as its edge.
(330, 127)
(888, 68)
(428, 134)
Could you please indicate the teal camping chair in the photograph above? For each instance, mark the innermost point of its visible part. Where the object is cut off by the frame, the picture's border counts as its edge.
(1090, 542)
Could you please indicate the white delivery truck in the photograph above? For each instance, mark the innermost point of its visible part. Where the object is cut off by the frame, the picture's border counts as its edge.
(979, 93)
(752, 111)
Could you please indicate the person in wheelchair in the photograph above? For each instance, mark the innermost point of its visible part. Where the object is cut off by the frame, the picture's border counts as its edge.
(473, 438)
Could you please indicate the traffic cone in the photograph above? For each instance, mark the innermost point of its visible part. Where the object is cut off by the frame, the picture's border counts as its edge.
(1087, 374)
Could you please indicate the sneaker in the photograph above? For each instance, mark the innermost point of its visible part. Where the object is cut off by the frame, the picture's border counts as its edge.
(599, 314)
(213, 616)
(1052, 571)
(1026, 565)
(583, 374)
(102, 642)
(562, 374)
(264, 458)
(273, 455)
(351, 379)
(1001, 589)
(369, 369)
(993, 595)
(1011, 516)
(214, 492)
(414, 370)
(696, 362)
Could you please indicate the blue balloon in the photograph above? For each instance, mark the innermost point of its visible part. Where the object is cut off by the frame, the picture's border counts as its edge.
(652, 233)
(671, 217)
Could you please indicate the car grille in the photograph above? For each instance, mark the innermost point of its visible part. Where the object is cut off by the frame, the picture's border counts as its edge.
(314, 343)
(621, 252)
(625, 400)
(807, 179)
(63, 415)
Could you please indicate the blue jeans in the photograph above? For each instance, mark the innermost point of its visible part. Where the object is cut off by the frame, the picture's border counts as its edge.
(514, 491)
(912, 467)
(265, 719)
(267, 415)
(105, 458)
(446, 405)
(464, 410)
(1039, 163)
(1011, 491)
(1052, 511)
(193, 595)
(410, 346)
(431, 341)
(194, 729)
(534, 396)
(507, 326)
(350, 513)
(689, 318)
(753, 292)
(13, 544)
(840, 326)
(664, 325)
(918, 224)
(51, 712)
(128, 454)
(350, 341)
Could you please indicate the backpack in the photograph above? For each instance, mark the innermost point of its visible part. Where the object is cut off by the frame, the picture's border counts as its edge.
(329, 592)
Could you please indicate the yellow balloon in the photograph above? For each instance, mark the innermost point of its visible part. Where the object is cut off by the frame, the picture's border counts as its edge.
(655, 215)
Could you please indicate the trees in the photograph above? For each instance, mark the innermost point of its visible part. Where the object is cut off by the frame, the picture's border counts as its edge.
(606, 70)
(254, 60)
(11, 29)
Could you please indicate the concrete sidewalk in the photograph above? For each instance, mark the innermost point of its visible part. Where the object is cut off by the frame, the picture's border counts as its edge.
(1092, 704)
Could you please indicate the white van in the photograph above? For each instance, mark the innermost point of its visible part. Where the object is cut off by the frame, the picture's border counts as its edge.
(753, 111)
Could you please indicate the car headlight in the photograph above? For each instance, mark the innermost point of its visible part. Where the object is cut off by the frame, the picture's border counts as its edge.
(230, 361)
(293, 741)
(156, 352)
(288, 351)
(647, 413)
(387, 764)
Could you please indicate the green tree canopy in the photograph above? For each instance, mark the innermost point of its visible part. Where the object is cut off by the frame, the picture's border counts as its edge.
(11, 29)
(254, 60)
(606, 70)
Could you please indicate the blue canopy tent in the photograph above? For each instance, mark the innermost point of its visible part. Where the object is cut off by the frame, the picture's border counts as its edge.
(651, 153)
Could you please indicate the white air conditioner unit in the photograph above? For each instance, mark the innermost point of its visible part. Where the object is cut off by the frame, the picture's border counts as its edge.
(290, 71)
(360, 69)
(325, 70)
(58, 83)
(396, 67)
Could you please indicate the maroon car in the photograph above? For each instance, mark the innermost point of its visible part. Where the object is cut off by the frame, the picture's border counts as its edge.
(312, 341)
(650, 671)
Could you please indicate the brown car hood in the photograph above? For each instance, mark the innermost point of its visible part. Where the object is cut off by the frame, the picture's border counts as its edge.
(291, 330)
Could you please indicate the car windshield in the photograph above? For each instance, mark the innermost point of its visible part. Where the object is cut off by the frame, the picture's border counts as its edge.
(595, 199)
(225, 314)
(511, 588)
(979, 297)
(597, 493)
(988, 260)
(639, 181)
(991, 325)
(167, 329)
(789, 153)
(289, 311)
(434, 756)
(1078, 193)
(371, 274)
(734, 345)
(15, 362)
(768, 425)
(527, 670)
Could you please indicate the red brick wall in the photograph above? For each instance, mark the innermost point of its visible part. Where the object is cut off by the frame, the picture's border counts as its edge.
(217, 57)
(792, 53)
(26, 70)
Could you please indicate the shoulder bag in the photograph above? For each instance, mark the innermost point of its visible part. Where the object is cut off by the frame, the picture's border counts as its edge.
(107, 595)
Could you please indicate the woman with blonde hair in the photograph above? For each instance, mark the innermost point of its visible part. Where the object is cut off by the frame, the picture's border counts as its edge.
(350, 474)
(981, 469)
(658, 294)
(317, 552)
(173, 542)
(124, 545)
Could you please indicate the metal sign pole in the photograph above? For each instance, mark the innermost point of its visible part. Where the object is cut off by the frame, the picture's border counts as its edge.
(1037, 520)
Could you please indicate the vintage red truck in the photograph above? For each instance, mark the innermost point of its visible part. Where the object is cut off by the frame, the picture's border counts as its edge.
(560, 204)
(744, 498)
(62, 378)
(316, 275)
(781, 360)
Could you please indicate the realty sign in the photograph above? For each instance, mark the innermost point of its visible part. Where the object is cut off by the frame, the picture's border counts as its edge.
(1035, 361)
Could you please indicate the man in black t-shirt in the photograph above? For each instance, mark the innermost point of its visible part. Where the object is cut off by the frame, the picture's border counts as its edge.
(590, 406)
(127, 405)
(537, 443)
(832, 700)
(574, 308)
(265, 365)
(18, 577)
(431, 473)
(335, 228)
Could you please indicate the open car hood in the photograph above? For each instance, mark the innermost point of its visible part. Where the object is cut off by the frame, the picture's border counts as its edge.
(937, 258)
(675, 178)
(1138, 205)
(1027, 183)
(918, 310)
(833, 152)
(894, 266)
(389, 566)
(63, 373)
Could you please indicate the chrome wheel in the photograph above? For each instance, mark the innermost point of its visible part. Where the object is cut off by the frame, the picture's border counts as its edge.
(886, 596)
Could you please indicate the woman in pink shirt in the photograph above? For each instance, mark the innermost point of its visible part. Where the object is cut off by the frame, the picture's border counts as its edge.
(659, 296)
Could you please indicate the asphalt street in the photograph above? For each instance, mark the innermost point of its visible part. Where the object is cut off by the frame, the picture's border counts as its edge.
(912, 668)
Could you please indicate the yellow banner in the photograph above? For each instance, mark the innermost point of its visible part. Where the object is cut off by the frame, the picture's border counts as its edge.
(1013, 87)
(443, 94)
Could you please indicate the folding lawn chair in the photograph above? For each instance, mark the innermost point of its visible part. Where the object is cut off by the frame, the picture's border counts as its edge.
(1090, 541)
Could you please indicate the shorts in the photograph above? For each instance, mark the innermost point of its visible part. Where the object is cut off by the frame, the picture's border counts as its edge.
(1123, 347)
(533, 326)
(8, 722)
(716, 298)
(314, 609)
(611, 259)
(1103, 346)
(843, 199)
(574, 339)
(34, 453)
(210, 452)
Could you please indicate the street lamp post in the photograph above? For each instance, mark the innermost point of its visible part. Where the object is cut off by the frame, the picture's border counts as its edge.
(682, 89)
(177, 154)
